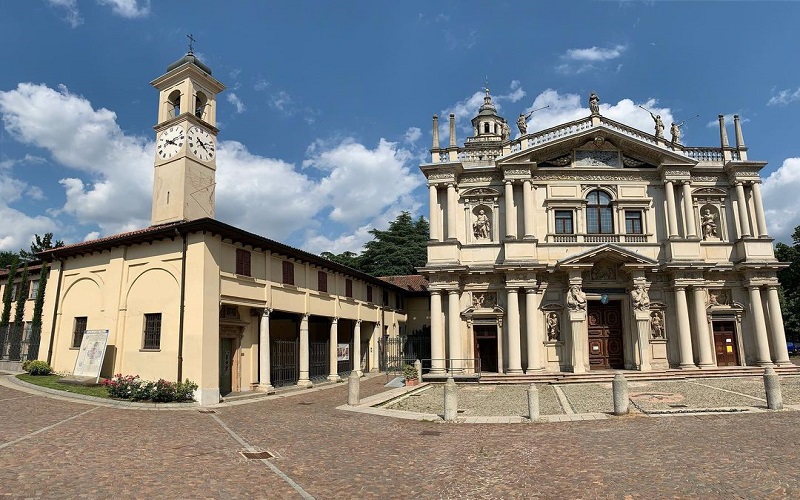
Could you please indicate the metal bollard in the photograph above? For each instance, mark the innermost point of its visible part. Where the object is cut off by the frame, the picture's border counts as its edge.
(418, 367)
(450, 400)
(353, 386)
(772, 385)
(533, 402)
(619, 388)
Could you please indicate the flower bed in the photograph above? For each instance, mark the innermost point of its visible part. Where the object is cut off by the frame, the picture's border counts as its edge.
(133, 388)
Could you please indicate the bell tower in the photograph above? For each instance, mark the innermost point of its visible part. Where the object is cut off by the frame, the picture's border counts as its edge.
(186, 142)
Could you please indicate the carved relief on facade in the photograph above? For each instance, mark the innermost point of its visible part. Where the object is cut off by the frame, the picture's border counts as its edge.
(477, 178)
(597, 159)
(640, 298)
(484, 300)
(576, 298)
(603, 271)
(560, 161)
(229, 312)
(594, 177)
(718, 297)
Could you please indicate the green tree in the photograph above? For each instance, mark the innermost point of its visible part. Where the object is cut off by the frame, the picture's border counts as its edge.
(15, 339)
(790, 285)
(39, 244)
(395, 251)
(8, 297)
(6, 258)
(36, 321)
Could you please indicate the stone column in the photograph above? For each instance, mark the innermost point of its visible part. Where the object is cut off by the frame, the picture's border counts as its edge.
(451, 211)
(527, 209)
(704, 351)
(437, 333)
(761, 221)
(357, 348)
(744, 219)
(376, 335)
(672, 217)
(684, 331)
(534, 336)
(514, 345)
(781, 353)
(643, 329)
(688, 208)
(264, 382)
(433, 202)
(511, 219)
(304, 354)
(454, 331)
(759, 327)
(333, 345)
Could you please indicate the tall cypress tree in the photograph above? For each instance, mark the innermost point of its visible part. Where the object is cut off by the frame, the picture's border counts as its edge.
(15, 346)
(36, 321)
(7, 299)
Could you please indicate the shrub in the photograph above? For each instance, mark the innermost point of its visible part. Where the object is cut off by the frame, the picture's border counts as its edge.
(133, 388)
(25, 364)
(409, 372)
(38, 368)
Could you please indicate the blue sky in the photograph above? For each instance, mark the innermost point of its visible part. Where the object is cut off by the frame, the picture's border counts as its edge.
(328, 109)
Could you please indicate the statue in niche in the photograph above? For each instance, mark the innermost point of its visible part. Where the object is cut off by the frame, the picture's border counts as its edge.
(640, 298)
(708, 224)
(657, 325)
(594, 104)
(481, 228)
(553, 327)
(576, 299)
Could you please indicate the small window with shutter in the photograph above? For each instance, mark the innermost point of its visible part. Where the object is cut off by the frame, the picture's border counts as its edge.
(322, 281)
(242, 262)
(369, 294)
(288, 273)
(348, 288)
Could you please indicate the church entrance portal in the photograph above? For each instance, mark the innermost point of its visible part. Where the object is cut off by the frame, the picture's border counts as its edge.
(605, 335)
(486, 347)
(725, 343)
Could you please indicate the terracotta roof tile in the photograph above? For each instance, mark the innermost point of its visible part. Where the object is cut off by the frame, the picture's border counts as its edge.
(410, 282)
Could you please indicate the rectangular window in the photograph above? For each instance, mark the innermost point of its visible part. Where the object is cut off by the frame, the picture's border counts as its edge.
(633, 222)
(369, 293)
(599, 220)
(78, 330)
(398, 301)
(322, 281)
(564, 222)
(348, 288)
(34, 289)
(288, 273)
(386, 298)
(242, 262)
(152, 331)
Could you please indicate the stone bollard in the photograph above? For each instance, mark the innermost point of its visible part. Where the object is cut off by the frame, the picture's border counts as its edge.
(772, 385)
(418, 367)
(533, 402)
(353, 383)
(450, 400)
(619, 388)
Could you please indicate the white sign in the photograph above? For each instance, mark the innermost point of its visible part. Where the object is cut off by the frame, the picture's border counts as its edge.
(91, 354)
(343, 352)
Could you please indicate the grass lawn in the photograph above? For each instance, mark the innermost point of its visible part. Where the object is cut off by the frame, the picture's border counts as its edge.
(51, 382)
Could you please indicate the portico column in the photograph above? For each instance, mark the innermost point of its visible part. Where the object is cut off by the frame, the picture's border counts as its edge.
(357, 348)
(376, 335)
(684, 331)
(744, 219)
(451, 211)
(781, 353)
(688, 208)
(759, 326)
(672, 217)
(514, 345)
(761, 222)
(511, 220)
(333, 345)
(264, 382)
(527, 209)
(433, 202)
(701, 327)
(304, 381)
(533, 334)
(454, 331)
(437, 333)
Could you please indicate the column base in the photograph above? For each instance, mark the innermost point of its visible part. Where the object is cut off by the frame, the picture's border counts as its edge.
(514, 371)
(360, 373)
(334, 377)
(783, 363)
(708, 365)
(305, 383)
(265, 388)
(764, 363)
(687, 366)
(533, 370)
(578, 369)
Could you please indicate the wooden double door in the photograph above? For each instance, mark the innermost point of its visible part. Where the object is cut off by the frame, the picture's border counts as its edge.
(725, 343)
(486, 347)
(605, 335)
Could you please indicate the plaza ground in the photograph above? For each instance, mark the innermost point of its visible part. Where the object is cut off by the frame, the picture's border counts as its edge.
(59, 448)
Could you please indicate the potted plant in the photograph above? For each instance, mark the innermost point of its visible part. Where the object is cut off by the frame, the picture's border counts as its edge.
(410, 374)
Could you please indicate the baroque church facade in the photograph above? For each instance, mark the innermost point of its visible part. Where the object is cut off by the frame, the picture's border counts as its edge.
(593, 245)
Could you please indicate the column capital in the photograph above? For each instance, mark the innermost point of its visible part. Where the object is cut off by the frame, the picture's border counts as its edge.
(266, 312)
(305, 316)
(508, 181)
(435, 292)
(771, 286)
(358, 322)
(680, 287)
(453, 292)
(334, 320)
(531, 290)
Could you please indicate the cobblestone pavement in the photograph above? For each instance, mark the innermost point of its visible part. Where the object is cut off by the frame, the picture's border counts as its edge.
(103, 452)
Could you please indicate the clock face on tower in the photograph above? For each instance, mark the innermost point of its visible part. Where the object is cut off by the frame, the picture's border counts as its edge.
(201, 143)
(170, 142)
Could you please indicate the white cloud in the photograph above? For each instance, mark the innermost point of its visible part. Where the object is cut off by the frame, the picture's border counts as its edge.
(281, 101)
(261, 85)
(780, 200)
(91, 236)
(130, 9)
(466, 109)
(784, 97)
(73, 16)
(728, 121)
(413, 134)
(18, 228)
(237, 103)
(576, 61)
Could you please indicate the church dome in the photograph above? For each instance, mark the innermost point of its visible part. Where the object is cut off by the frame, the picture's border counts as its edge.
(189, 58)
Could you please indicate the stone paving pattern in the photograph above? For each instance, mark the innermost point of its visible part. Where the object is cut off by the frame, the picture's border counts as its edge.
(123, 453)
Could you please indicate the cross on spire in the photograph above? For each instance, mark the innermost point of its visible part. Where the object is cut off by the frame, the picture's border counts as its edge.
(191, 43)
(486, 85)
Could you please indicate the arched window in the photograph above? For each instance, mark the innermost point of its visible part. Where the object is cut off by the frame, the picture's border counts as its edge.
(599, 215)
(200, 105)
(175, 103)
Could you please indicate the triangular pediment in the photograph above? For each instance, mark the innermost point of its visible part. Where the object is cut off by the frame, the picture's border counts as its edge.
(607, 252)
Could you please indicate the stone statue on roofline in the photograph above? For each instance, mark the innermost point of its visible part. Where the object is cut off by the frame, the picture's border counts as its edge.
(594, 104)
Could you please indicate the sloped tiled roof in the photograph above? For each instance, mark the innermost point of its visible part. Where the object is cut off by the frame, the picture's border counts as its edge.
(408, 282)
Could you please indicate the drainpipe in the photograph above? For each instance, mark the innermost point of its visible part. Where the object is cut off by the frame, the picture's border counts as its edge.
(55, 313)
(183, 308)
